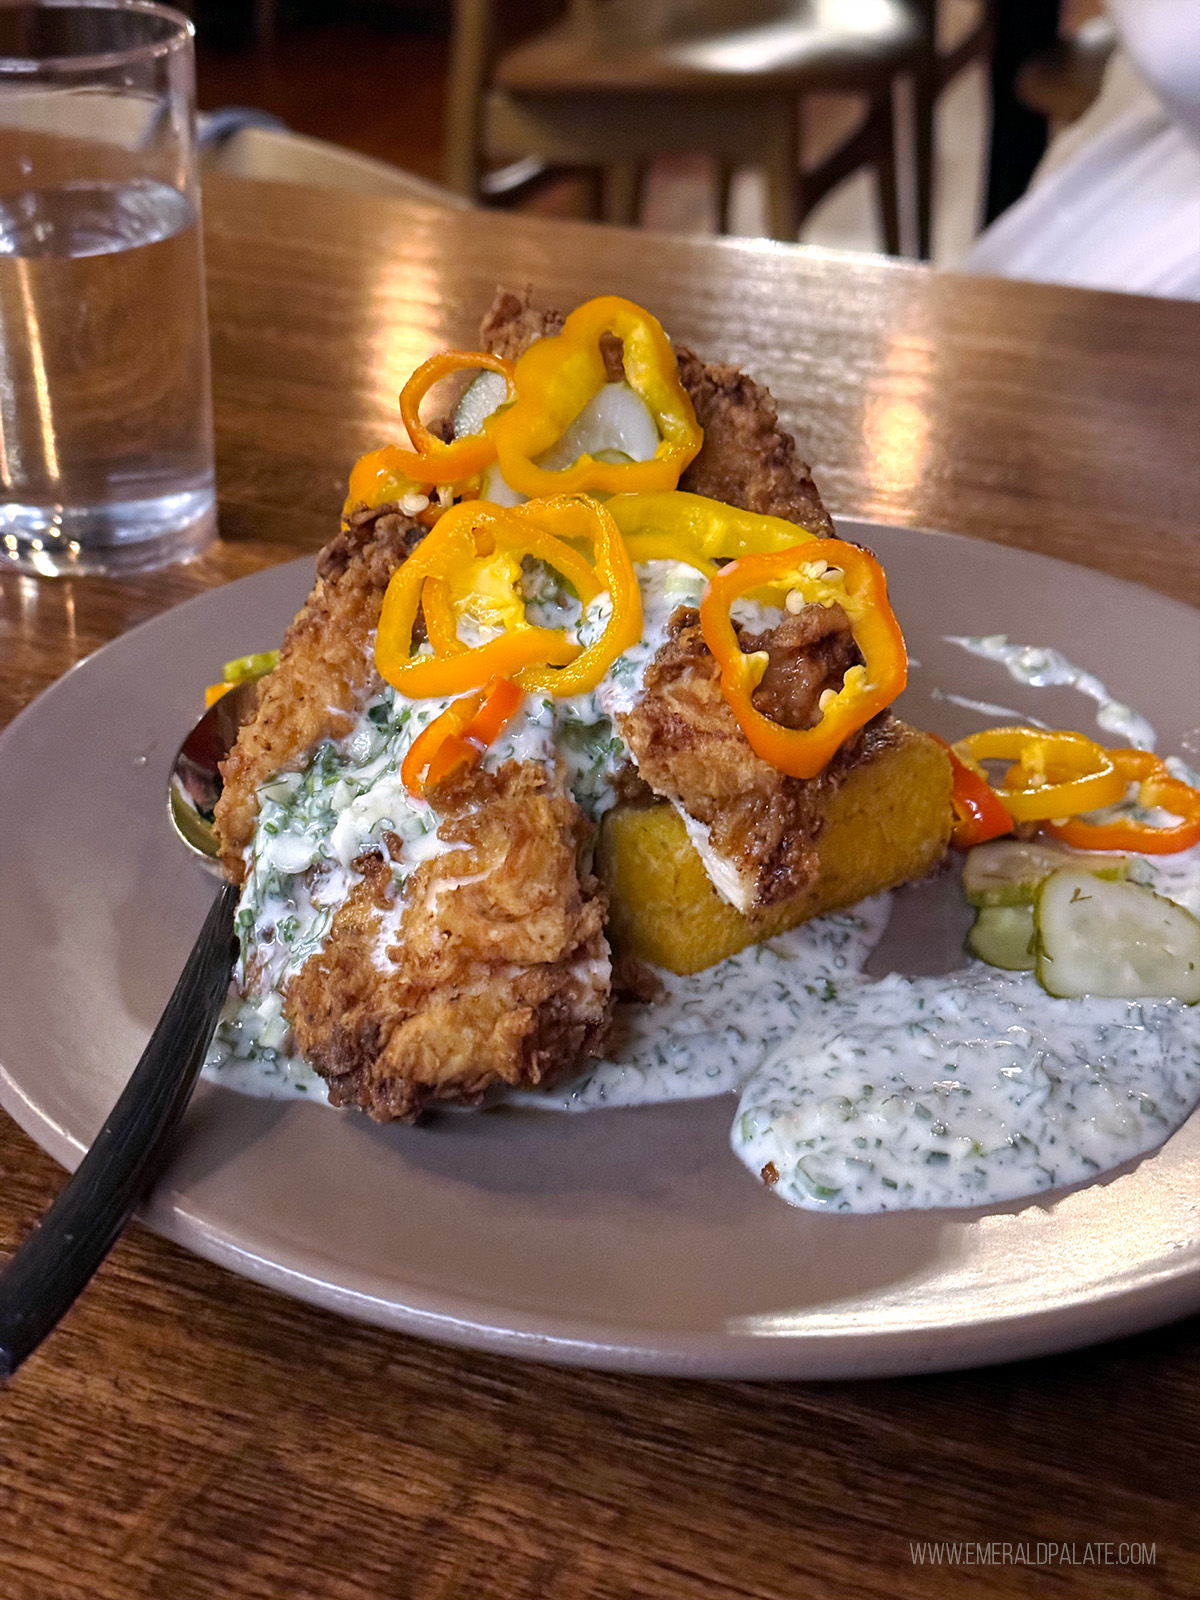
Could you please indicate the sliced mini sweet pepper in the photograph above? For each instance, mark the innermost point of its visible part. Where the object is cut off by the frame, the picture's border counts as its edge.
(1156, 788)
(376, 479)
(391, 472)
(979, 814)
(470, 564)
(447, 551)
(556, 377)
(584, 520)
(1056, 773)
(460, 736)
(700, 530)
(823, 572)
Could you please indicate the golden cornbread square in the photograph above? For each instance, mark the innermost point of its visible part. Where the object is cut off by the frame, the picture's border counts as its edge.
(886, 823)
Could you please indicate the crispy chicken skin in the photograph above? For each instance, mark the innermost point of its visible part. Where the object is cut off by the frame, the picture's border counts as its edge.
(690, 749)
(326, 671)
(494, 969)
(746, 459)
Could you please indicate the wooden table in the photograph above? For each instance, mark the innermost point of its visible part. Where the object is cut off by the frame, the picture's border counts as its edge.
(188, 1434)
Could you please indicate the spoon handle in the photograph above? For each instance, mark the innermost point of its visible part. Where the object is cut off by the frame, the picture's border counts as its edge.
(52, 1266)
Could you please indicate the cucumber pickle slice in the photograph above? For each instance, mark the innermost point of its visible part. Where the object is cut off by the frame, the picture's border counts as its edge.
(1008, 872)
(1116, 939)
(1003, 936)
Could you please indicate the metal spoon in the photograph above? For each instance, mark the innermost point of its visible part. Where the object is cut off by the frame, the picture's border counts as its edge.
(195, 783)
(54, 1264)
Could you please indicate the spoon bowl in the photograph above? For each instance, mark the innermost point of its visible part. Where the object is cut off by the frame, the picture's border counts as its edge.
(194, 786)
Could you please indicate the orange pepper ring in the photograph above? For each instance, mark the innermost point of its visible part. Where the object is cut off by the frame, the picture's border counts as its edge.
(433, 371)
(1156, 787)
(436, 599)
(528, 653)
(433, 461)
(1095, 782)
(448, 546)
(865, 691)
(461, 734)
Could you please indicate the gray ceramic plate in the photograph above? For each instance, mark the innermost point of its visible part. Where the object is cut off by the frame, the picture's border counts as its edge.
(630, 1239)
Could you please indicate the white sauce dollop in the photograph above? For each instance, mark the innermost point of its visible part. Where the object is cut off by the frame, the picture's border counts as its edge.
(964, 1090)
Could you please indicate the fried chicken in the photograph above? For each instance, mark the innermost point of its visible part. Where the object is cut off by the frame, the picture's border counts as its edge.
(690, 750)
(487, 964)
(490, 968)
(326, 671)
(747, 460)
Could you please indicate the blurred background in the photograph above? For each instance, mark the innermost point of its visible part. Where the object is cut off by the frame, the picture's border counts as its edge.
(901, 125)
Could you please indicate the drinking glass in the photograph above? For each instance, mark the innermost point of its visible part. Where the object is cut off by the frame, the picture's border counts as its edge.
(106, 457)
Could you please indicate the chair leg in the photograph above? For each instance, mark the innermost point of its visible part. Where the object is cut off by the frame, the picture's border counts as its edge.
(884, 113)
(725, 171)
(924, 98)
(622, 192)
(469, 52)
(782, 161)
(592, 181)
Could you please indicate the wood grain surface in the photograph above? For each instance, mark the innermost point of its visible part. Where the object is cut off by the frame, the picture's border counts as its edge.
(187, 1434)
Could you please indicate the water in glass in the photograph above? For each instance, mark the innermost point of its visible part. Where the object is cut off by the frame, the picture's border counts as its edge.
(105, 416)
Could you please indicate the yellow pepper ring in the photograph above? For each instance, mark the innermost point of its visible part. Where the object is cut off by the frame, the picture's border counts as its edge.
(826, 572)
(495, 529)
(582, 518)
(449, 547)
(555, 379)
(707, 528)
(440, 624)
(1062, 773)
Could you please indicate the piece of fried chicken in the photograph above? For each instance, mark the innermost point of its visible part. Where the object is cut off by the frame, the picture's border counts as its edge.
(490, 966)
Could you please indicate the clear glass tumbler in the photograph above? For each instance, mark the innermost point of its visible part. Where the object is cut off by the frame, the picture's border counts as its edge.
(106, 455)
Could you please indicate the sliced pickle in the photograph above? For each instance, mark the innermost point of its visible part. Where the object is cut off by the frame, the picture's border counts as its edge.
(1003, 936)
(1117, 939)
(1008, 872)
(482, 396)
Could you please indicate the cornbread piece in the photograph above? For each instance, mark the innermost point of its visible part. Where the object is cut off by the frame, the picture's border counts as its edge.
(885, 821)
(492, 967)
(326, 671)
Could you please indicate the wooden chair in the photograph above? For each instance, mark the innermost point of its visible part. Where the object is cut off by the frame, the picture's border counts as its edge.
(614, 83)
(939, 65)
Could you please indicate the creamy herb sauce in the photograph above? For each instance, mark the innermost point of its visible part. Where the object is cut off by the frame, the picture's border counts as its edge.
(964, 1090)
(1041, 667)
(709, 1029)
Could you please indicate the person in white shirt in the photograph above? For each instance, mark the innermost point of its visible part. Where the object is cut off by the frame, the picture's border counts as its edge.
(1115, 204)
